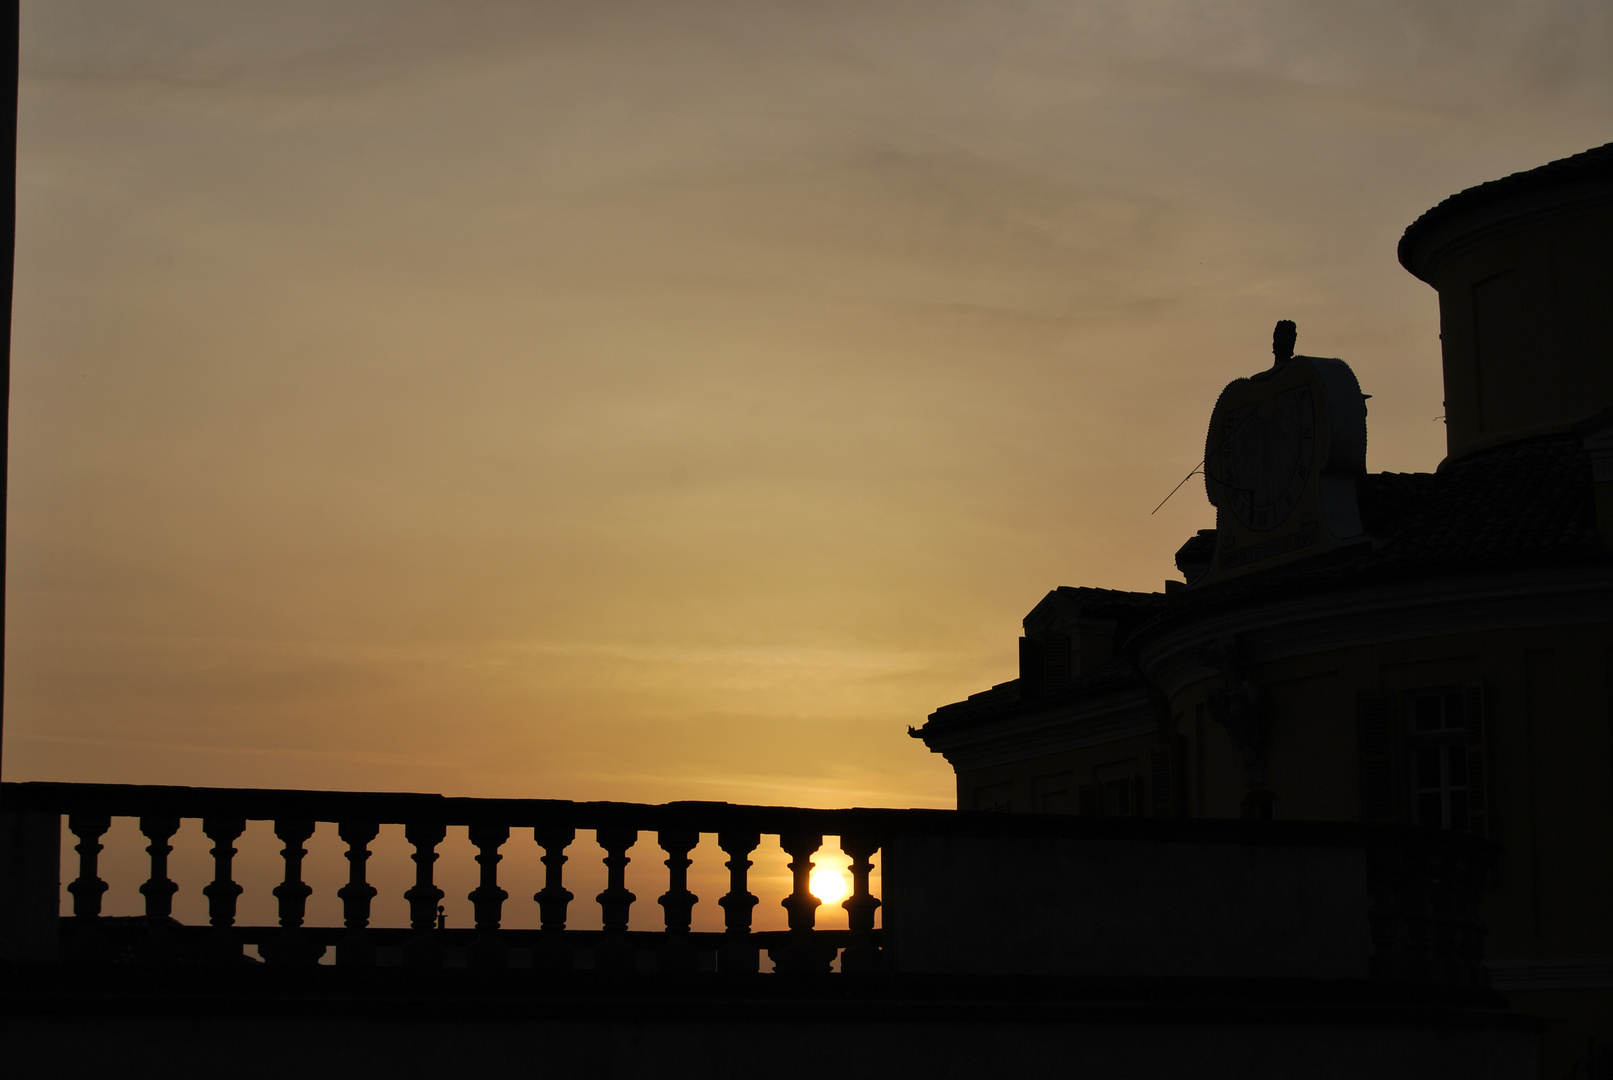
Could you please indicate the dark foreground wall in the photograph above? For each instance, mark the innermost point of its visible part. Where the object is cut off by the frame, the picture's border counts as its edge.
(1281, 900)
(714, 1050)
(713, 1029)
(1011, 945)
(1129, 908)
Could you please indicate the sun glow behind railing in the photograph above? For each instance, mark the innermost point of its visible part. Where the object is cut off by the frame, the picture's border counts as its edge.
(511, 883)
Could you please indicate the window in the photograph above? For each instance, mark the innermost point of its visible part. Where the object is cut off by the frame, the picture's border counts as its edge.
(1166, 781)
(1116, 791)
(1260, 805)
(1054, 793)
(995, 797)
(1438, 742)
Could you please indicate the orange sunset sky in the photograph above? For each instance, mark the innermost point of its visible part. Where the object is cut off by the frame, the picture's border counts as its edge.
(676, 400)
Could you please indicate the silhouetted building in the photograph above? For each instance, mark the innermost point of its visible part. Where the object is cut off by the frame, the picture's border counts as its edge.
(1383, 651)
(1432, 648)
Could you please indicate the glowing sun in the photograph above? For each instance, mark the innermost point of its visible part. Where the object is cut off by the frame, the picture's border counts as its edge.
(828, 885)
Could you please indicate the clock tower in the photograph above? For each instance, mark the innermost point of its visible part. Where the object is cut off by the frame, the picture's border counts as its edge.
(1284, 451)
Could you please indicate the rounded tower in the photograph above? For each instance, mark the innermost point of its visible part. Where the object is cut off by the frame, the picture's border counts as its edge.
(1524, 270)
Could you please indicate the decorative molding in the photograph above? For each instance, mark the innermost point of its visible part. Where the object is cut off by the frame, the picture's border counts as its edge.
(1445, 234)
(1172, 655)
(1235, 705)
(1573, 974)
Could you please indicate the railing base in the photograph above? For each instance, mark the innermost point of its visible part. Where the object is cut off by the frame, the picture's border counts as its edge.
(327, 1021)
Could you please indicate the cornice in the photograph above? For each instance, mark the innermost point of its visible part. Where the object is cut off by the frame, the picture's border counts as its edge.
(1565, 974)
(1565, 188)
(1452, 233)
(1119, 714)
(1171, 653)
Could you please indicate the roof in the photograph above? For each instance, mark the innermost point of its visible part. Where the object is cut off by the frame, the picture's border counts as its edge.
(1115, 604)
(1527, 503)
(1004, 699)
(1422, 244)
(1524, 504)
(1127, 611)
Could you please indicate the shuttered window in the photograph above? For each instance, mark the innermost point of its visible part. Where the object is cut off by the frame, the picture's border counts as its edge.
(1044, 664)
(1478, 760)
(1160, 774)
(1055, 660)
(1378, 751)
(1167, 780)
(1030, 669)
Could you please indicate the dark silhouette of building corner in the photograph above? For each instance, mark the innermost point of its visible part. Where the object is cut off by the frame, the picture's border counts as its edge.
(1428, 649)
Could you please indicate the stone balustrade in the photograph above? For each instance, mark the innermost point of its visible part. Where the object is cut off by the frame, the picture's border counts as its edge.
(965, 893)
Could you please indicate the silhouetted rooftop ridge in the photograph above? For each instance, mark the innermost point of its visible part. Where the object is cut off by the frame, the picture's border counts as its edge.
(1527, 503)
(1522, 504)
(1005, 699)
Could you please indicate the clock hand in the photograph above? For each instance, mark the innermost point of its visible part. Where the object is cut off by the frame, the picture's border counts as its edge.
(1196, 470)
(1199, 468)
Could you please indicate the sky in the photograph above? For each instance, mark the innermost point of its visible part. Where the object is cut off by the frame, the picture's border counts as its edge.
(661, 401)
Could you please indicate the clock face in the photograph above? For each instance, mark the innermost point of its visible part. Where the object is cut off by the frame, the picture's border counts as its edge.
(1266, 463)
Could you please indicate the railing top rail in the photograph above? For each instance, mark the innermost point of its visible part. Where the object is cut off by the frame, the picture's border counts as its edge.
(264, 804)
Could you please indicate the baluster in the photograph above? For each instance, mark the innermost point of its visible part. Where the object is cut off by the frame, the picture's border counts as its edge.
(87, 942)
(552, 952)
(803, 955)
(424, 947)
(292, 946)
(487, 897)
(159, 945)
(677, 953)
(861, 956)
(223, 944)
(738, 955)
(357, 946)
(615, 951)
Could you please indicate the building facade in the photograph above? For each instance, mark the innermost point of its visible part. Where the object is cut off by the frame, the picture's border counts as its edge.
(1433, 648)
